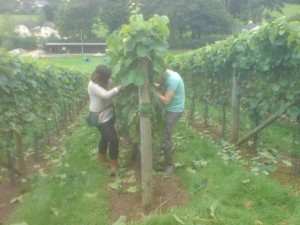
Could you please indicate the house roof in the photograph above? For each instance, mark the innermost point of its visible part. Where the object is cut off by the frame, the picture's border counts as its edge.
(49, 24)
(28, 23)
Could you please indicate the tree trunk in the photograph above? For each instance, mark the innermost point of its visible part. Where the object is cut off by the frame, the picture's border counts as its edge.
(192, 112)
(146, 144)
(20, 153)
(10, 167)
(47, 131)
(9, 138)
(256, 121)
(270, 120)
(235, 110)
(205, 113)
(223, 120)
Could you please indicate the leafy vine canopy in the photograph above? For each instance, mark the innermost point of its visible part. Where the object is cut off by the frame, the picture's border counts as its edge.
(139, 40)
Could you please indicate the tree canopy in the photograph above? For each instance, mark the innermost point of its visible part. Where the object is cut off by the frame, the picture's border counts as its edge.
(188, 18)
(76, 17)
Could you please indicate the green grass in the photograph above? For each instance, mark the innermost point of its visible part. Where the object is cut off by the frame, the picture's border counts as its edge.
(17, 18)
(288, 10)
(75, 62)
(76, 188)
(221, 192)
(277, 136)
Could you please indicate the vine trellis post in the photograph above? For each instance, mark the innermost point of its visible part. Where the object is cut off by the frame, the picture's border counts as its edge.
(235, 109)
(146, 141)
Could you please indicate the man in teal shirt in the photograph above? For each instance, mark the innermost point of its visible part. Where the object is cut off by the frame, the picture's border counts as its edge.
(173, 98)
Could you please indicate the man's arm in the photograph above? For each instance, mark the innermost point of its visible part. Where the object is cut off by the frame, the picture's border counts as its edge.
(166, 99)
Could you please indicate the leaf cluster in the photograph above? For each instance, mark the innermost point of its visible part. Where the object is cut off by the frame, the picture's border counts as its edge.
(30, 92)
(266, 62)
(140, 40)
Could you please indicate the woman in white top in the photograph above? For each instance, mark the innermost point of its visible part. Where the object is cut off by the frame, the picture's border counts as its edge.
(100, 93)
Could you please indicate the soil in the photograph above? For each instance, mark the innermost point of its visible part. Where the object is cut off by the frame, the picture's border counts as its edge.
(166, 193)
(7, 193)
(10, 191)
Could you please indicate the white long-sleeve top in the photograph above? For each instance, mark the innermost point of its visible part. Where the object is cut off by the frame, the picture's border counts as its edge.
(100, 100)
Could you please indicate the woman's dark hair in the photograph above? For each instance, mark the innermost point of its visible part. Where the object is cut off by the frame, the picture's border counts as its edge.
(101, 75)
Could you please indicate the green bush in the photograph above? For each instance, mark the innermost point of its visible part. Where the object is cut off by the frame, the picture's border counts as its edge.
(195, 43)
(11, 42)
(7, 44)
(295, 17)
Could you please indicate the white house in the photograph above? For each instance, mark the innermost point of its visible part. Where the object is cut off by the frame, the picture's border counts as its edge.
(41, 4)
(48, 29)
(22, 30)
(45, 31)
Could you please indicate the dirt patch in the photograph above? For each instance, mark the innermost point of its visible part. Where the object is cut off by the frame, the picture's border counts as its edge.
(10, 191)
(166, 194)
(7, 193)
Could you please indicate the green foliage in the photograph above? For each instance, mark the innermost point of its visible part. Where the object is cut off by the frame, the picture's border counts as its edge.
(256, 10)
(137, 42)
(76, 17)
(289, 10)
(30, 94)
(108, 12)
(75, 180)
(10, 42)
(187, 43)
(266, 62)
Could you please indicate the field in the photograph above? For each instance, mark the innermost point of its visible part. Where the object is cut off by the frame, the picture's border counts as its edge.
(75, 62)
(17, 18)
(288, 11)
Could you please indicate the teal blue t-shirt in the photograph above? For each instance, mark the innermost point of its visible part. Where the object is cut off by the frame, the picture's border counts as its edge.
(175, 83)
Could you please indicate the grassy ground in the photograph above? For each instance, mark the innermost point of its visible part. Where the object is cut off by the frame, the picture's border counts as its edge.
(279, 135)
(288, 10)
(76, 62)
(17, 18)
(220, 190)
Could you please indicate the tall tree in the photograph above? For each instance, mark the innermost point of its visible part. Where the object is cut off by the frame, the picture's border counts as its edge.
(113, 14)
(198, 17)
(207, 17)
(255, 10)
(77, 17)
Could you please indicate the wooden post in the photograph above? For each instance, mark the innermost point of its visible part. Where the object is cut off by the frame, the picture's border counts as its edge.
(235, 110)
(146, 144)
(20, 153)
(9, 158)
(266, 123)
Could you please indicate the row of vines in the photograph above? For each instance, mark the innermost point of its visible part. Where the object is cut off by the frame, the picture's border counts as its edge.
(35, 102)
(256, 72)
